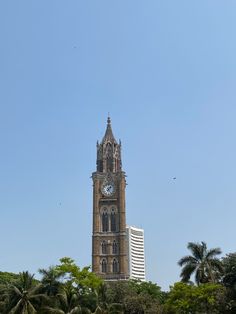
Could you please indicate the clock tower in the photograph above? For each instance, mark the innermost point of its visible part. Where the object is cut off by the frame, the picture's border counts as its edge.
(109, 241)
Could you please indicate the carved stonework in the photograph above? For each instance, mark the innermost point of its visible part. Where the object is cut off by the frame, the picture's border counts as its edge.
(109, 249)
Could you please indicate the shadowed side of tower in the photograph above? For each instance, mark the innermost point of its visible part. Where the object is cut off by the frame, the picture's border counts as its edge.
(109, 247)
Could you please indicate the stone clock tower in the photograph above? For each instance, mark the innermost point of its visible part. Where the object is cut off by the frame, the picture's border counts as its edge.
(109, 247)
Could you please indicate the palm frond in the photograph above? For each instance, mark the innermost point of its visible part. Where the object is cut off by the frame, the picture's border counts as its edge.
(63, 299)
(16, 307)
(36, 289)
(31, 308)
(187, 260)
(187, 271)
(17, 291)
(76, 310)
(213, 252)
(98, 310)
(51, 310)
(197, 249)
(26, 280)
(38, 296)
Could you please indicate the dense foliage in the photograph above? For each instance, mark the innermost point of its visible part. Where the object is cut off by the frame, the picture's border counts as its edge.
(67, 288)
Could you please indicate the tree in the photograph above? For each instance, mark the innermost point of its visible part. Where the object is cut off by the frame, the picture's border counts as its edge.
(23, 296)
(50, 280)
(204, 263)
(117, 291)
(131, 297)
(82, 278)
(141, 304)
(106, 297)
(207, 298)
(6, 278)
(67, 302)
(147, 288)
(229, 279)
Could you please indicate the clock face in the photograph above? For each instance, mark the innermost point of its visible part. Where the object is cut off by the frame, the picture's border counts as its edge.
(108, 189)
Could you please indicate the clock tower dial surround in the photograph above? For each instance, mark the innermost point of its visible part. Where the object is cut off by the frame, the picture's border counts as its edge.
(109, 246)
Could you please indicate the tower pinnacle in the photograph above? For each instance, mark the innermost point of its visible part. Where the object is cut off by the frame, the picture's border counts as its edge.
(109, 137)
(108, 152)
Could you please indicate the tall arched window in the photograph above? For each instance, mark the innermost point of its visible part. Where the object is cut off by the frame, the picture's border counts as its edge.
(104, 247)
(114, 247)
(115, 266)
(109, 157)
(104, 265)
(105, 223)
(113, 220)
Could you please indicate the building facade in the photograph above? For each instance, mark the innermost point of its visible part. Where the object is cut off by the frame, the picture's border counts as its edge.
(109, 240)
(135, 243)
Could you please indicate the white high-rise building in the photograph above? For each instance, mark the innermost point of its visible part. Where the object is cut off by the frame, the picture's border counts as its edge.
(135, 241)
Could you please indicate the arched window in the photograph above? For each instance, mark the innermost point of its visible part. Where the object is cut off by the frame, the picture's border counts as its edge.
(104, 247)
(109, 154)
(113, 220)
(105, 223)
(104, 265)
(114, 247)
(109, 164)
(115, 266)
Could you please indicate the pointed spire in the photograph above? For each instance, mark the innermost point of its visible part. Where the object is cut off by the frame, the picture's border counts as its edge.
(109, 152)
(109, 134)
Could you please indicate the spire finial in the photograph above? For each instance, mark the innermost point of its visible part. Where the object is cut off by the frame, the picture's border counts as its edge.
(108, 119)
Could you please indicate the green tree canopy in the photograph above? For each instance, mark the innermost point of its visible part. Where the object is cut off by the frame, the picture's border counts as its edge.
(82, 278)
(229, 264)
(207, 298)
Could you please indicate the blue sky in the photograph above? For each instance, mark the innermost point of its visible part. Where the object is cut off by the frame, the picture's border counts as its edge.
(166, 72)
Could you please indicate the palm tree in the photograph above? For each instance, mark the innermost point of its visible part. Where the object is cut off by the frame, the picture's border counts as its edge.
(23, 297)
(204, 263)
(67, 302)
(50, 280)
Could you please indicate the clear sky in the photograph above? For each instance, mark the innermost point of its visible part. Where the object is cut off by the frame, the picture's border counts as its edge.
(166, 72)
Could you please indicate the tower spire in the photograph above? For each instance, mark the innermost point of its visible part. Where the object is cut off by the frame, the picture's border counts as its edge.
(109, 137)
(109, 152)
